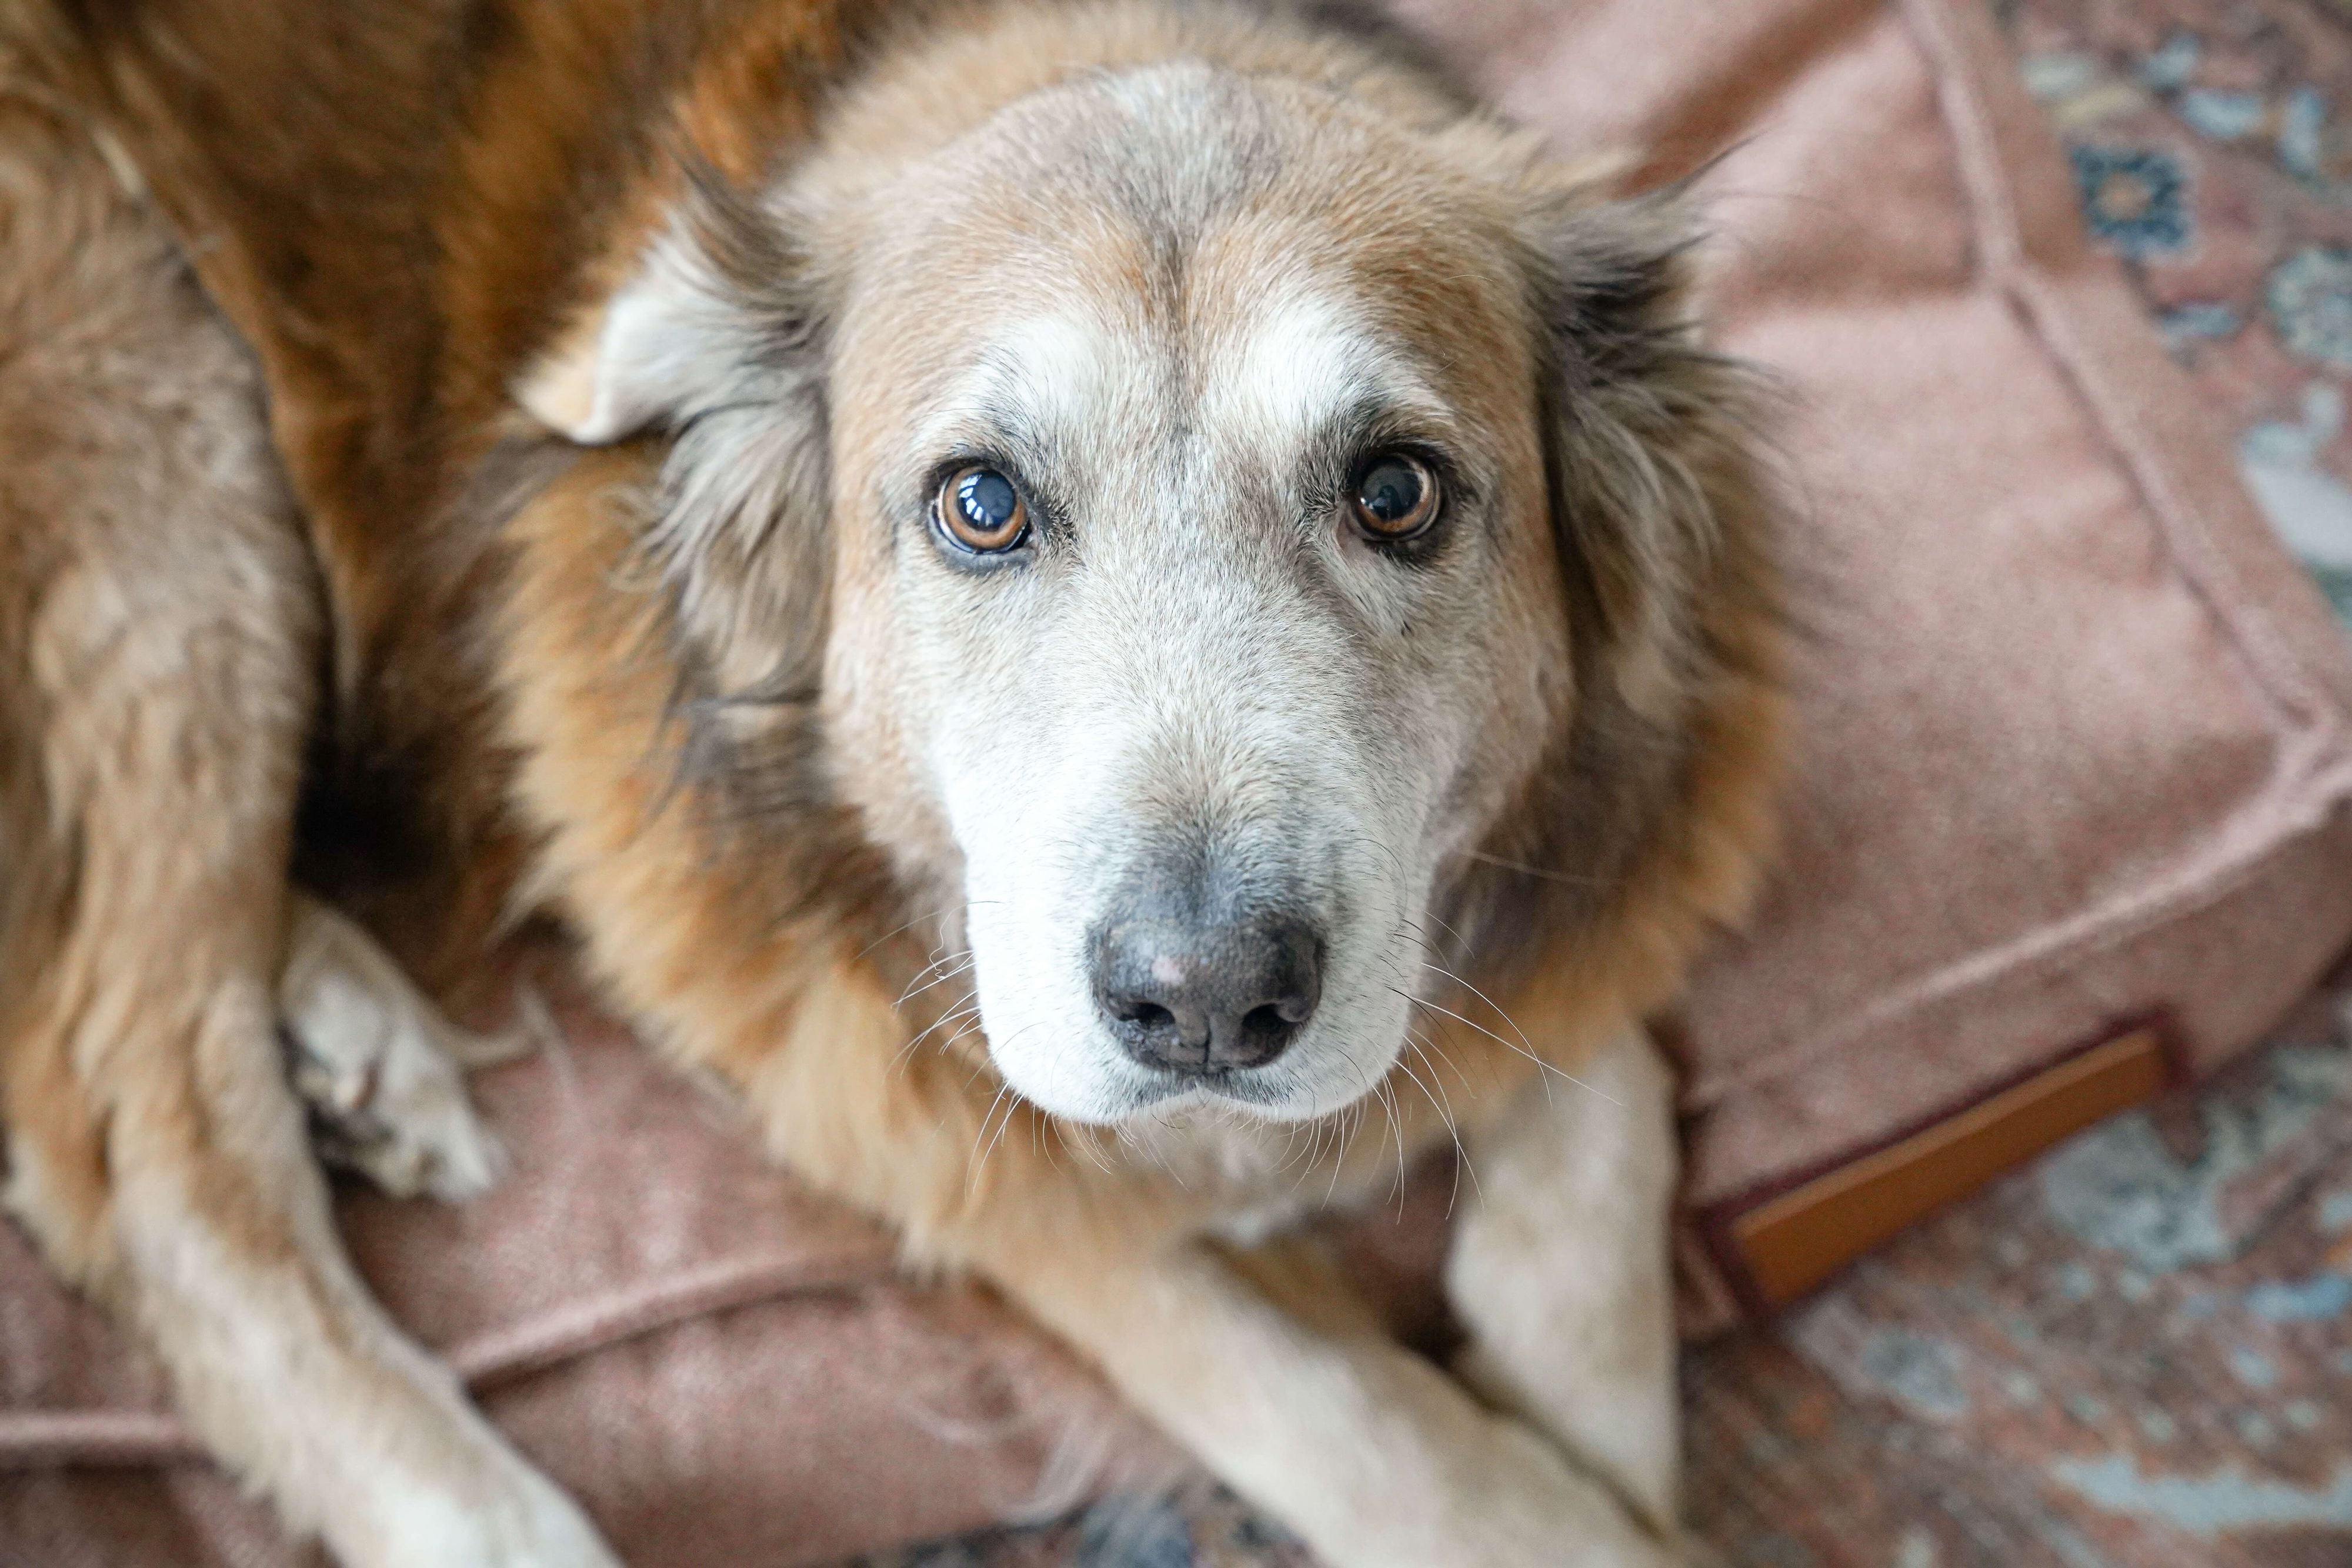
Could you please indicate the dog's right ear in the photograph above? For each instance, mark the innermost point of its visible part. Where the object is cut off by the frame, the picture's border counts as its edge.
(715, 312)
(626, 364)
(716, 339)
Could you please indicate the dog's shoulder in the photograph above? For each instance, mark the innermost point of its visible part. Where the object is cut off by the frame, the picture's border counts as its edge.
(396, 204)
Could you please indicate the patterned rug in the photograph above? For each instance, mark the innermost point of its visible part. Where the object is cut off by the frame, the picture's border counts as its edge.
(2137, 1353)
(2212, 147)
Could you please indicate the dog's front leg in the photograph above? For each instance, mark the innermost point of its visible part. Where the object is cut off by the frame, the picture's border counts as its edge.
(1371, 1454)
(1560, 1272)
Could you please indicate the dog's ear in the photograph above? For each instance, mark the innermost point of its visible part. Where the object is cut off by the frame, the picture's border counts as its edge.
(1648, 433)
(717, 341)
(1648, 809)
(716, 310)
(631, 361)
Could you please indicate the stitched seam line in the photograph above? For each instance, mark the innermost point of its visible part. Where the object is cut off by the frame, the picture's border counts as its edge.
(36, 1438)
(2311, 775)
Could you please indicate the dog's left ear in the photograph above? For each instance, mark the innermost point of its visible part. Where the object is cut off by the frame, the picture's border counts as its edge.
(1651, 467)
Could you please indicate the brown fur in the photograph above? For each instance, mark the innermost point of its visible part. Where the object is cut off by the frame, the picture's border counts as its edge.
(528, 701)
(156, 620)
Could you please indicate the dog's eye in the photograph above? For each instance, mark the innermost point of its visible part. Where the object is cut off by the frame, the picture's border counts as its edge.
(982, 510)
(1395, 497)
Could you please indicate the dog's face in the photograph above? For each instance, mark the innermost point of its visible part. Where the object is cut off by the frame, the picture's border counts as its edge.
(1196, 598)
(1194, 562)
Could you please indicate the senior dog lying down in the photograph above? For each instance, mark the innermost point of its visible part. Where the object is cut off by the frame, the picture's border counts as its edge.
(1122, 614)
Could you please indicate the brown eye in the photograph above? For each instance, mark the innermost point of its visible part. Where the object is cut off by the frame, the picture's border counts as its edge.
(982, 510)
(1395, 497)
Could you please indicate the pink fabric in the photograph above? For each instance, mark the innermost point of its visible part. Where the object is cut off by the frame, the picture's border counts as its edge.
(2073, 726)
(2074, 747)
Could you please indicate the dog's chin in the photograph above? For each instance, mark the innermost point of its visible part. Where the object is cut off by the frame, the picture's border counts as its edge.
(1118, 1093)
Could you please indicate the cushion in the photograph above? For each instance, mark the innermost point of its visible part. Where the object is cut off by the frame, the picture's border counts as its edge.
(2073, 726)
(2073, 737)
(724, 1367)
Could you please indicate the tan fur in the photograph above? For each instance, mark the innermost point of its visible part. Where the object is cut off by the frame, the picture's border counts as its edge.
(145, 653)
(157, 631)
(521, 707)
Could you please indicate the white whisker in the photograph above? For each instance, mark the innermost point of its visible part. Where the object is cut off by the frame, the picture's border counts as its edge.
(1507, 1045)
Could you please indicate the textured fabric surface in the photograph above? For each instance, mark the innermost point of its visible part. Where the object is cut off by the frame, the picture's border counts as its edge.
(2073, 731)
(2072, 727)
(2211, 147)
(2135, 1355)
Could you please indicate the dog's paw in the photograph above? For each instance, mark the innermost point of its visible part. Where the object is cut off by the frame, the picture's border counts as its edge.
(556, 1534)
(533, 1526)
(503, 1515)
(381, 1071)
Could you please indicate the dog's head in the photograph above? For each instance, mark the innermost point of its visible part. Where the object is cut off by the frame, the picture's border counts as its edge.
(1219, 507)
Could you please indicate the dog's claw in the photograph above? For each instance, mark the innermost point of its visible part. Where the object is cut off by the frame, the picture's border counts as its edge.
(381, 1071)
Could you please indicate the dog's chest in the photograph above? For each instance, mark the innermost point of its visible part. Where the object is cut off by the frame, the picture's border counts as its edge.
(1270, 1179)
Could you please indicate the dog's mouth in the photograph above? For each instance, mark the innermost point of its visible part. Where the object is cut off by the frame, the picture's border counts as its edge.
(1259, 1090)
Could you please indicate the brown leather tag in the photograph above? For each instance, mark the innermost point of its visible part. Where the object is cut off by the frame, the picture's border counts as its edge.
(1787, 1244)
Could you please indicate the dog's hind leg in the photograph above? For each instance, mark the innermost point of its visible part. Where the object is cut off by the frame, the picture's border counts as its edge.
(158, 638)
(1560, 1272)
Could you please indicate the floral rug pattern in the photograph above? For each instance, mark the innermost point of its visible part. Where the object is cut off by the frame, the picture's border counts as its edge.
(2138, 1353)
(2213, 148)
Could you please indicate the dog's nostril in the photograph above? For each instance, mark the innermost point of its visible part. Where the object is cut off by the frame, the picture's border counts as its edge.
(1187, 997)
(1267, 1020)
(1145, 1015)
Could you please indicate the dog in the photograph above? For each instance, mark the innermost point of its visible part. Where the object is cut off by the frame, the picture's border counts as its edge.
(1123, 613)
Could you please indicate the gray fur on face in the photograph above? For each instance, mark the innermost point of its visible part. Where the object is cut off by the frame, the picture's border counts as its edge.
(1198, 685)
(1178, 305)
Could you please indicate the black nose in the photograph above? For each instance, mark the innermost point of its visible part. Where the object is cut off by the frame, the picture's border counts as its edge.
(1184, 997)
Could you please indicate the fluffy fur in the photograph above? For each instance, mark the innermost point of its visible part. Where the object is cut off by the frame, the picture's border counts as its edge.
(606, 346)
